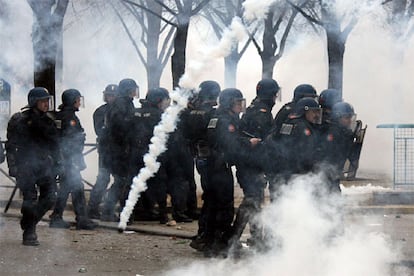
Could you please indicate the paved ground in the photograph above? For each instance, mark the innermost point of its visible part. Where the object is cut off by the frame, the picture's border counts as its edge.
(148, 248)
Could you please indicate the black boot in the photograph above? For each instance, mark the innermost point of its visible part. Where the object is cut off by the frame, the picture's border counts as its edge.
(30, 237)
(56, 221)
(84, 223)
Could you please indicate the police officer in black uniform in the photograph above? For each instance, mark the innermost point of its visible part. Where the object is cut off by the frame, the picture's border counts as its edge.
(296, 144)
(145, 119)
(194, 121)
(301, 91)
(228, 147)
(103, 178)
(71, 144)
(327, 99)
(337, 142)
(119, 121)
(32, 155)
(255, 122)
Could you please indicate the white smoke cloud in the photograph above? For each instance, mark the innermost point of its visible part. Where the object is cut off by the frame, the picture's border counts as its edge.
(167, 125)
(254, 9)
(310, 237)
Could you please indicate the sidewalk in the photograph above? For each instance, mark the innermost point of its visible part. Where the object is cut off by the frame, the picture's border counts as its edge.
(367, 196)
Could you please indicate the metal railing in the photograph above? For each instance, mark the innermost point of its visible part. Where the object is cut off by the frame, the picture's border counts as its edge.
(403, 161)
(91, 146)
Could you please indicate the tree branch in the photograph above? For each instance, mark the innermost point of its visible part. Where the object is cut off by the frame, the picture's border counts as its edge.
(168, 9)
(304, 14)
(151, 12)
(134, 43)
(347, 30)
(199, 7)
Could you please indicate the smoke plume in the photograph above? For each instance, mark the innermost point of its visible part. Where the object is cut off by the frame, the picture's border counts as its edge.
(309, 236)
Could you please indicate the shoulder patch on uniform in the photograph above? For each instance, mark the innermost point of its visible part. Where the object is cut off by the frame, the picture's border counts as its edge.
(286, 129)
(72, 123)
(263, 110)
(231, 128)
(330, 137)
(307, 132)
(212, 123)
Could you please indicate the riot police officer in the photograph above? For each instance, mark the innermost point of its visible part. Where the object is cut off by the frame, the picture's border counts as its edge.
(337, 142)
(296, 143)
(32, 156)
(301, 91)
(119, 120)
(255, 122)
(229, 147)
(194, 121)
(72, 139)
(145, 119)
(327, 99)
(103, 178)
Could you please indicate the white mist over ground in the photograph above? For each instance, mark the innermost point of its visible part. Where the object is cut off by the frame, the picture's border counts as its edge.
(309, 238)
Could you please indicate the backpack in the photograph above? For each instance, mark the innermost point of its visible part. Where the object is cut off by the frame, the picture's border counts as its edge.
(15, 132)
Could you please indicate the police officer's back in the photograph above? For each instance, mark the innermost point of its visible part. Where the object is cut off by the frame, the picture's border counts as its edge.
(301, 91)
(32, 155)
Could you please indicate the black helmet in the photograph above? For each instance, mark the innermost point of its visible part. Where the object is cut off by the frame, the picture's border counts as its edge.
(36, 94)
(229, 96)
(111, 89)
(329, 97)
(209, 91)
(342, 109)
(302, 91)
(126, 86)
(267, 89)
(157, 95)
(69, 97)
(304, 105)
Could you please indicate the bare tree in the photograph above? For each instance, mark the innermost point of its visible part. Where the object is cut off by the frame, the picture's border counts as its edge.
(337, 28)
(46, 37)
(181, 11)
(400, 18)
(156, 36)
(220, 14)
(276, 28)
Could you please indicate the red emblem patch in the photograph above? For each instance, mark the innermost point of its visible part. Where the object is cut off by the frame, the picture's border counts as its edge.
(72, 122)
(330, 137)
(232, 128)
(307, 132)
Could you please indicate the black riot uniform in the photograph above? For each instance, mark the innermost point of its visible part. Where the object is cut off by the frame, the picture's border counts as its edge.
(193, 123)
(103, 178)
(228, 148)
(145, 120)
(301, 91)
(119, 120)
(295, 146)
(32, 156)
(336, 143)
(255, 122)
(71, 144)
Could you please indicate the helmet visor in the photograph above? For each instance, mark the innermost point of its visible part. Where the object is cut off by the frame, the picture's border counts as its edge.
(314, 115)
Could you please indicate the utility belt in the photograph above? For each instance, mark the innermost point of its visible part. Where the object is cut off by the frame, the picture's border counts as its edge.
(202, 150)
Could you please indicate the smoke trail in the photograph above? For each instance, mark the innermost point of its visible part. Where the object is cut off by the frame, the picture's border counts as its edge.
(167, 124)
(309, 237)
(233, 34)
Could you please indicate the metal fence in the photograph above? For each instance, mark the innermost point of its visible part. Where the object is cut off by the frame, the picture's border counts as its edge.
(403, 153)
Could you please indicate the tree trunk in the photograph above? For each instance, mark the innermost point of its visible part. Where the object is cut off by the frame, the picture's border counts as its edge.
(336, 50)
(269, 47)
(178, 58)
(154, 69)
(230, 68)
(46, 37)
